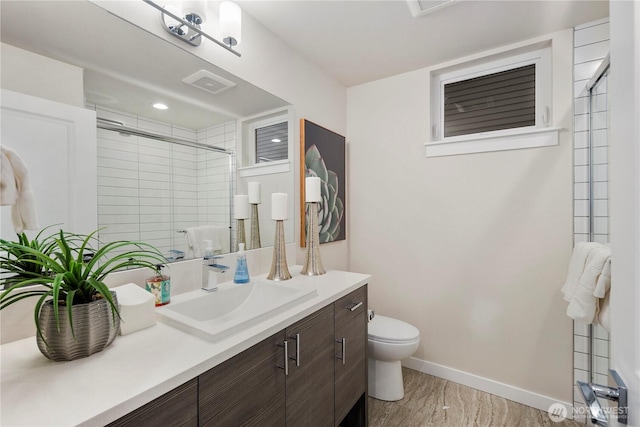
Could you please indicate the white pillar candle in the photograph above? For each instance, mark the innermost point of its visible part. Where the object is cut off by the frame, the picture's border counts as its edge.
(278, 206)
(312, 189)
(254, 193)
(241, 206)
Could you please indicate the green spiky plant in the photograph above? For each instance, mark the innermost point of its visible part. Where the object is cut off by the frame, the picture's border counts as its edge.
(23, 265)
(68, 270)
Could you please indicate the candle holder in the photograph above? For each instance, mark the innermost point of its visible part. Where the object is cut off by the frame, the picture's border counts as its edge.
(279, 269)
(240, 235)
(313, 262)
(255, 227)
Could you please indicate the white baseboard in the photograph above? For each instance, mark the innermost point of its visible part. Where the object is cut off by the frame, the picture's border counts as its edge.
(506, 391)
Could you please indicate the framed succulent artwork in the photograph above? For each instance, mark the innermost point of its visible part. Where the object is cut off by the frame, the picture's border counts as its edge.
(322, 154)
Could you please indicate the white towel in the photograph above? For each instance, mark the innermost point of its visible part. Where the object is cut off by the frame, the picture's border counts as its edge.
(16, 191)
(224, 237)
(196, 237)
(602, 318)
(576, 267)
(8, 187)
(591, 284)
(602, 293)
(604, 280)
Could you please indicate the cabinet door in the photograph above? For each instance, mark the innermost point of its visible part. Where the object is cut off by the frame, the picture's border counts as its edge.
(351, 355)
(246, 390)
(310, 379)
(179, 407)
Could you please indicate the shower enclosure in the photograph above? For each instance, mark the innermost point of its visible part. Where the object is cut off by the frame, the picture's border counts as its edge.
(605, 394)
(599, 219)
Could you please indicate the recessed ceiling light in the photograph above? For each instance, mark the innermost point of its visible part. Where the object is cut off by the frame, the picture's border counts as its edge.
(275, 140)
(160, 106)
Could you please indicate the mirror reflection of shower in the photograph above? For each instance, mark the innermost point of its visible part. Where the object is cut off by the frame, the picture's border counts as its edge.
(164, 190)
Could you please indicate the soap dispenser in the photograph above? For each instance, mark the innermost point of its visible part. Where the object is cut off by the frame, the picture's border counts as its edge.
(160, 286)
(242, 272)
(208, 248)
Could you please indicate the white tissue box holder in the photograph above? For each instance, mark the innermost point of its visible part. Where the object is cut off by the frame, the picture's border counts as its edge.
(137, 308)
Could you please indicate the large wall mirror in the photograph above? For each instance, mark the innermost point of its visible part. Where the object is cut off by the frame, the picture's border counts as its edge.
(160, 173)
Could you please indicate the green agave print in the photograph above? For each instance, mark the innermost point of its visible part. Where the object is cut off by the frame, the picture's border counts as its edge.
(331, 208)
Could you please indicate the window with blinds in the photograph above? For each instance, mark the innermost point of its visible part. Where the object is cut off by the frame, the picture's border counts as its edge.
(272, 142)
(497, 101)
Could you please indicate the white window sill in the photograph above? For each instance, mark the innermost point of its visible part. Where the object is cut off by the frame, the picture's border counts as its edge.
(266, 168)
(513, 140)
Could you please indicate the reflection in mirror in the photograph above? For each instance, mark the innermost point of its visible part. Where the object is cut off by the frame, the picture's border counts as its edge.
(272, 142)
(273, 172)
(160, 189)
(150, 188)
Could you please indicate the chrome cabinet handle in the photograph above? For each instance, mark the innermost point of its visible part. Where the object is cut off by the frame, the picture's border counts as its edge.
(343, 341)
(344, 350)
(297, 358)
(355, 306)
(285, 344)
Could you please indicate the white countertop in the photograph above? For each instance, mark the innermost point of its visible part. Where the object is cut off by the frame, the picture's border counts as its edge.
(137, 367)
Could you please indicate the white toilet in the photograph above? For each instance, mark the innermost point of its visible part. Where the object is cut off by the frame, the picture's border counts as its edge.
(390, 341)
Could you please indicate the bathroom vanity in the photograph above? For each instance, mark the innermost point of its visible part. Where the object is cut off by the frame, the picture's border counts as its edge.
(313, 373)
(305, 365)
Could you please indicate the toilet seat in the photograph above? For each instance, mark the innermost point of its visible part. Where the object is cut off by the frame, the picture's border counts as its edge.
(392, 331)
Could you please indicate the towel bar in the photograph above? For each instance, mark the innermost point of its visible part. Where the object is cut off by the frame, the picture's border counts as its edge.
(591, 392)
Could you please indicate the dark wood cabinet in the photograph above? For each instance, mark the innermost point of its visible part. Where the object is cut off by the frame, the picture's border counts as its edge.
(324, 383)
(246, 390)
(179, 407)
(254, 388)
(309, 381)
(351, 359)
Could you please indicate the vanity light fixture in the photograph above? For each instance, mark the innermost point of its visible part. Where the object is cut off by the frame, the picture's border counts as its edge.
(184, 19)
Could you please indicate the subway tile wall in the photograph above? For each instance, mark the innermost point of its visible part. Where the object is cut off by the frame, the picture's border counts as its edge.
(591, 46)
(149, 190)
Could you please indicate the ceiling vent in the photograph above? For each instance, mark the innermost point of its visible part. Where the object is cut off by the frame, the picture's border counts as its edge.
(208, 81)
(422, 7)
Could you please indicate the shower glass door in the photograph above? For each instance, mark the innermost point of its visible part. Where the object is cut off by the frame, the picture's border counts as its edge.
(599, 206)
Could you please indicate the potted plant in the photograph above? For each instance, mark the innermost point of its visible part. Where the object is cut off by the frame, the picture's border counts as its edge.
(75, 312)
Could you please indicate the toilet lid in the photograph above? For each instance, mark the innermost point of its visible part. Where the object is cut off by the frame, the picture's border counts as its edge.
(388, 329)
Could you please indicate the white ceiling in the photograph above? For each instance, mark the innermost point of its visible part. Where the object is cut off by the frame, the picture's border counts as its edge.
(355, 41)
(360, 41)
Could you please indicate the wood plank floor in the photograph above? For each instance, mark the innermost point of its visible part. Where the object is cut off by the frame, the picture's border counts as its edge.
(432, 401)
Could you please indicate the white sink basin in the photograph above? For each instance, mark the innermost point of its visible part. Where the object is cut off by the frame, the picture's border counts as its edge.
(216, 315)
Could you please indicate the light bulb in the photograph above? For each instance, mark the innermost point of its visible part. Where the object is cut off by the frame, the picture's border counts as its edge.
(230, 23)
(195, 7)
(175, 7)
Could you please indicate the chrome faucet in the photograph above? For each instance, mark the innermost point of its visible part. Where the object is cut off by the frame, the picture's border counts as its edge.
(210, 270)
